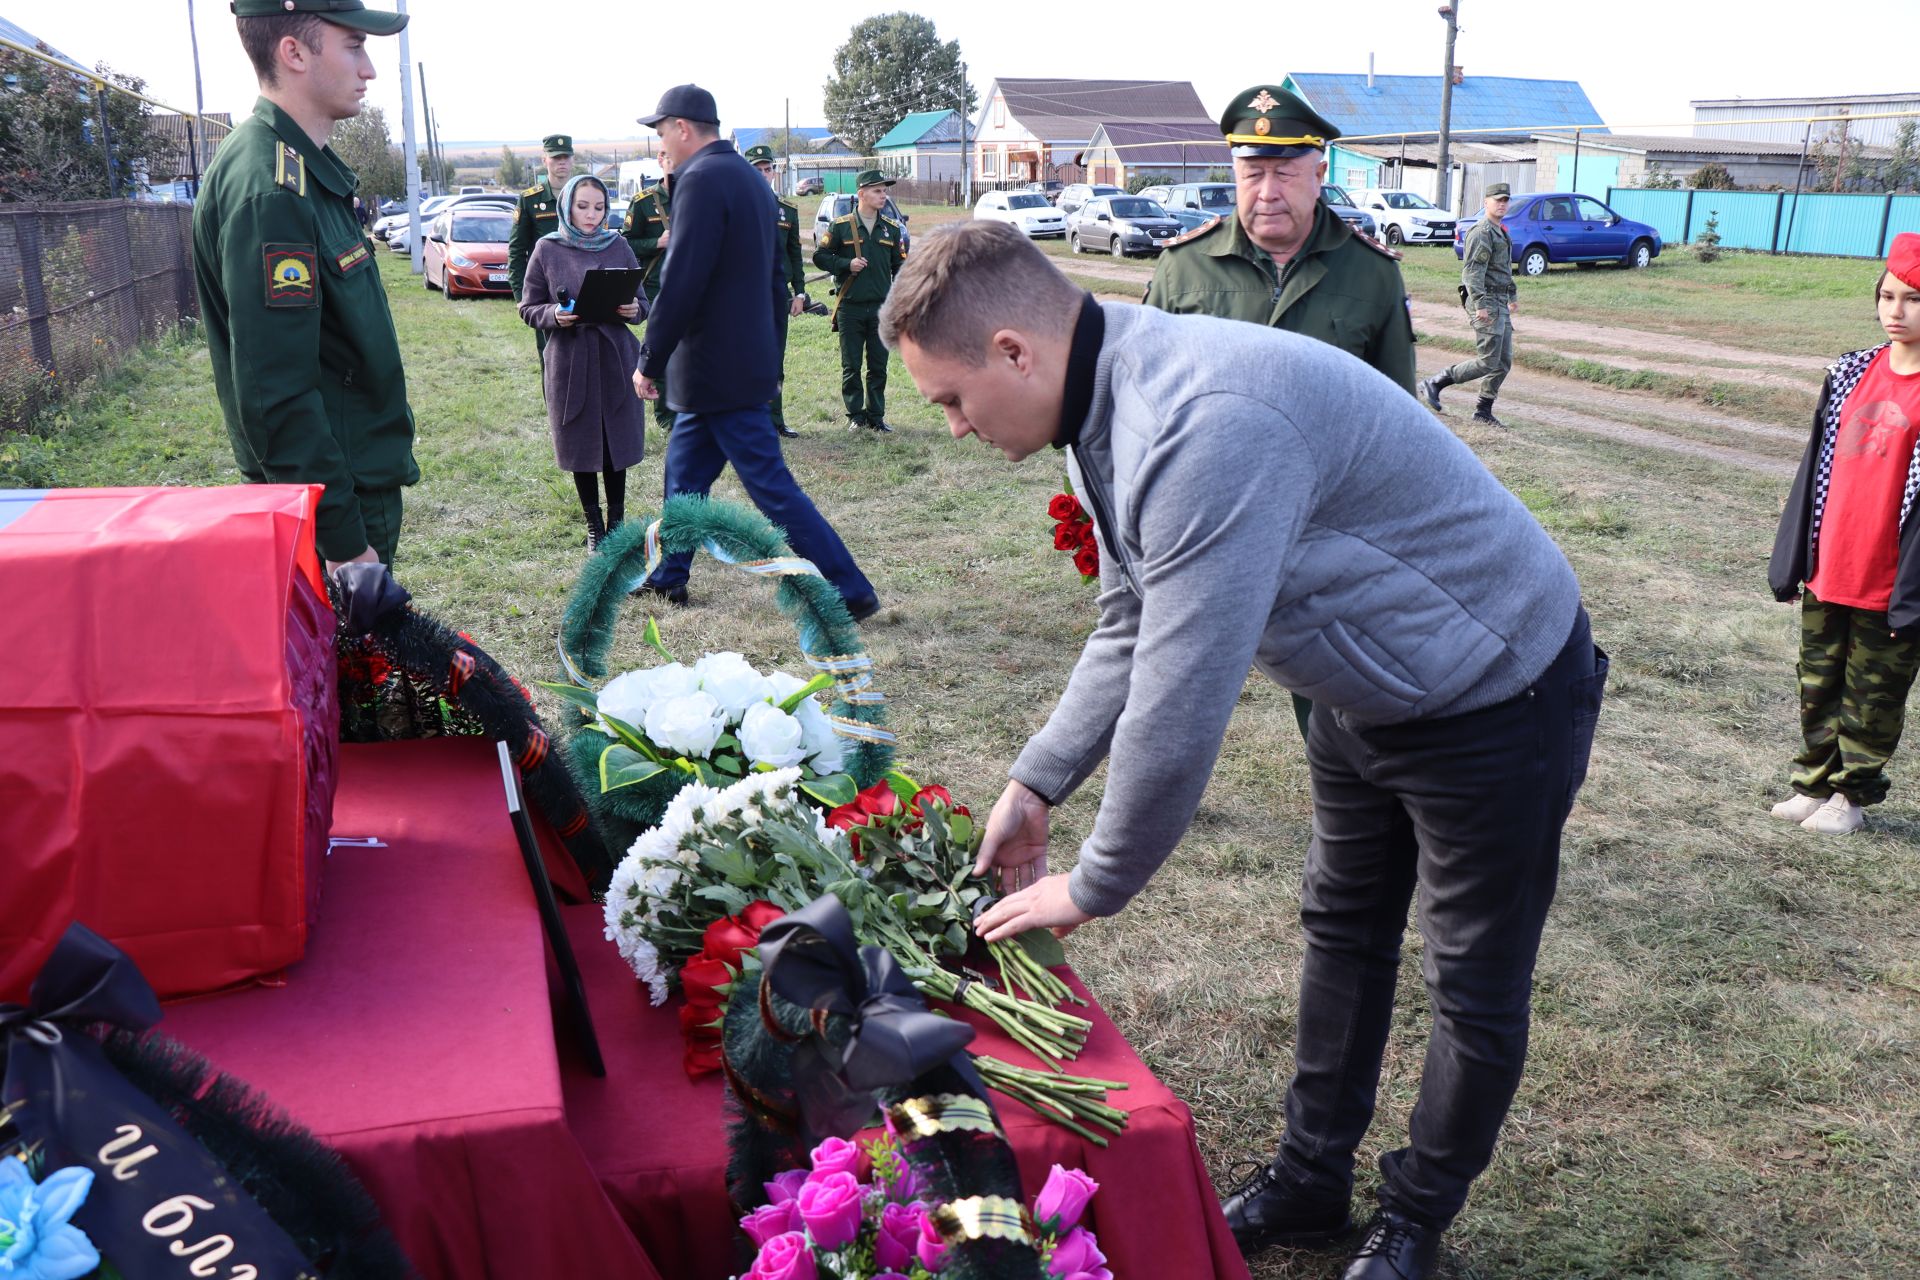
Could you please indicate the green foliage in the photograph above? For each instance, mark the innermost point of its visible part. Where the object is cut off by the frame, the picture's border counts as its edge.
(51, 146)
(1219, 175)
(367, 147)
(1141, 181)
(785, 142)
(1903, 168)
(1711, 176)
(512, 171)
(1706, 245)
(1658, 179)
(891, 66)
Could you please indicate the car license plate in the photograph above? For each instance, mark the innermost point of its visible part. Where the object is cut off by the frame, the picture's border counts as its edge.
(496, 277)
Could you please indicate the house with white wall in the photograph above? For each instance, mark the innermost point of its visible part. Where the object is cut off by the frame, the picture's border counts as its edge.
(1032, 129)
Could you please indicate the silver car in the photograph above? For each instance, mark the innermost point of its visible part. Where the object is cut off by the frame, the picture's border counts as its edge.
(1122, 225)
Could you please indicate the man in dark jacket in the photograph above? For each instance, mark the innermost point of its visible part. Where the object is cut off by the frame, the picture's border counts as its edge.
(711, 334)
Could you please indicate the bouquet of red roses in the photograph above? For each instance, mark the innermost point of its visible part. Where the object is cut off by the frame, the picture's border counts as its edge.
(1073, 532)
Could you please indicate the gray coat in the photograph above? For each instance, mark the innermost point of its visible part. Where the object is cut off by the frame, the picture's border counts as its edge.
(1265, 501)
(589, 367)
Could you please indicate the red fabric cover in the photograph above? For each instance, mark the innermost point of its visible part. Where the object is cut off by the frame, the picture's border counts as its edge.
(1859, 551)
(415, 1037)
(167, 728)
(658, 1139)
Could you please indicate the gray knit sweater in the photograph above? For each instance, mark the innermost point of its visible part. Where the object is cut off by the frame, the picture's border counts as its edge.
(1265, 500)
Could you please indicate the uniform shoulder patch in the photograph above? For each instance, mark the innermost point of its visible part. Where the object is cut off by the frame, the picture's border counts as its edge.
(533, 190)
(1196, 233)
(889, 221)
(289, 168)
(1376, 246)
(290, 281)
(847, 218)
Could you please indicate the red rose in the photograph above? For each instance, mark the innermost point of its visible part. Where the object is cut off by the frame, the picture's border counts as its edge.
(702, 979)
(935, 793)
(1066, 536)
(1087, 560)
(1064, 506)
(702, 1058)
(728, 936)
(378, 668)
(759, 915)
(1086, 538)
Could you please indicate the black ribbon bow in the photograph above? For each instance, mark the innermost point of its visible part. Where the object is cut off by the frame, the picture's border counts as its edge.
(370, 594)
(810, 958)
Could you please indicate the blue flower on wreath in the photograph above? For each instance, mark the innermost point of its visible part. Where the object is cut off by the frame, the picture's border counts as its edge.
(36, 1240)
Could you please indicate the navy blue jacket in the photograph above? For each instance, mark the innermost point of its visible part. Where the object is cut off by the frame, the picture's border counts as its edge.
(711, 330)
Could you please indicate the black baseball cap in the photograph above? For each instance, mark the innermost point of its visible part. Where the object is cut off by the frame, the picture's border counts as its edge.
(686, 102)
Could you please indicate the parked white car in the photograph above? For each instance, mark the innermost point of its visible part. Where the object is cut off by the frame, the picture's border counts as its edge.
(1406, 216)
(1027, 210)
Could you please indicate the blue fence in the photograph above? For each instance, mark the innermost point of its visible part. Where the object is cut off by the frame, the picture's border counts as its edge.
(1847, 226)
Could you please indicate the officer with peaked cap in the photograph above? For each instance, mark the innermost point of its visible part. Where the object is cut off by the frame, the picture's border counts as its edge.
(793, 272)
(537, 211)
(306, 364)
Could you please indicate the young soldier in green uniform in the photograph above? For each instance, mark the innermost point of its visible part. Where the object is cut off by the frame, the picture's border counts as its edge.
(1486, 289)
(788, 262)
(649, 220)
(537, 213)
(1284, 259)
(862, 252)
(306, 364)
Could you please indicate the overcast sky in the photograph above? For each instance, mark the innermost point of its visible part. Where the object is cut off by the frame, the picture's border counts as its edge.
(590, 68)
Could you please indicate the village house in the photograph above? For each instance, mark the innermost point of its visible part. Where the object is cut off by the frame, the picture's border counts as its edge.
(1030, 129)
(924, 147)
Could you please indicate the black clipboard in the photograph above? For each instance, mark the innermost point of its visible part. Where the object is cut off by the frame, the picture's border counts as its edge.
(604, 291)
(550, 913)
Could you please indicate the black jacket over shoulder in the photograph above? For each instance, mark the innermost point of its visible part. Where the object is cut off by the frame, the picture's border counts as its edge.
(711, 330)
(1796, 546)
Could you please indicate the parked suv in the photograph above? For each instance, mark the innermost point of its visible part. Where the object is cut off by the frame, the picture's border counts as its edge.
(1206, 197)
(1565, 226)
(1406, 217)
(839, 206)
(1076, 194)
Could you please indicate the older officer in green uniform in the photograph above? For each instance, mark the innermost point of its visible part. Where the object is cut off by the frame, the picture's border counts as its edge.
(788, 261)
(648, 225)
(1284, 259)
(537, 213)
(1486, 289)
(306, 364)
(862, 252)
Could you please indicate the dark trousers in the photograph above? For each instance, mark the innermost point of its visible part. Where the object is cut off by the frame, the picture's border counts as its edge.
(1467, 811)
(776, 407)
(860, 336)
(701, 446)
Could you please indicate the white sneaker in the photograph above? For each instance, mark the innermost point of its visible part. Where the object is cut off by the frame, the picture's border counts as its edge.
(1839, 816)
(1797, 807)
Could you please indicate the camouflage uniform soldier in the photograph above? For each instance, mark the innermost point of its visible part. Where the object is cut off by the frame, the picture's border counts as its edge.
(535, 214)
(1486, 288)
(862, 252)
(649, 222)
(793, 271)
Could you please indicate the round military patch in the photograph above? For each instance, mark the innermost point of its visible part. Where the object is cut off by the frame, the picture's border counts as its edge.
(1263, 126)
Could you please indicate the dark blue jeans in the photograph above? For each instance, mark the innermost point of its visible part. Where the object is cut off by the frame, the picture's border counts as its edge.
(1467, 811)
(701, 446)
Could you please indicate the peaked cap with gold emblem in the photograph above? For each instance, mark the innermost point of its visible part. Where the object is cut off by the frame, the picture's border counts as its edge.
(342, 13)
(1266, 120)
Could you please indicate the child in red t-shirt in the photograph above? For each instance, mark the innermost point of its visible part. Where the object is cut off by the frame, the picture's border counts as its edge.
(1849, 535)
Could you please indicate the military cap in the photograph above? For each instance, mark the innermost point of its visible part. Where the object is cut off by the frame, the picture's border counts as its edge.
(557, 144)
(872, 178)
(762, 154)
(1498, 189)
(1266, 120)
(342, 13)
(686, 102)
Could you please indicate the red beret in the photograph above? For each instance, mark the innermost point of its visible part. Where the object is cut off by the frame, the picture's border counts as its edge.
(1904, 258)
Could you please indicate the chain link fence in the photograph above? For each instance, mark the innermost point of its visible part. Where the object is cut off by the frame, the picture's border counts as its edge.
(81, 286)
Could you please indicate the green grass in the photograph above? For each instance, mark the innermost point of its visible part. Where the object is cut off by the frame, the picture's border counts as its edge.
(1723, 1079)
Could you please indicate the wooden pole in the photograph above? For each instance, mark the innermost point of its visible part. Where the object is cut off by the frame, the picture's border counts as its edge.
(1451, 12)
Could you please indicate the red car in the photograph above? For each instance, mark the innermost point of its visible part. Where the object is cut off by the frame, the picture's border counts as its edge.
(466, 252)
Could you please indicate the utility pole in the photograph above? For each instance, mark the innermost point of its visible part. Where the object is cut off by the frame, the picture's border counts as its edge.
(786, 176)
(433, 151)
(966, 127)
(409, 152)
(1443, 188)
(197, 130)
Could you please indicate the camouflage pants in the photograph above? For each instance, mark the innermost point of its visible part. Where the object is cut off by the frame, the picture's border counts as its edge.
(1854, 678)
(1493, 351)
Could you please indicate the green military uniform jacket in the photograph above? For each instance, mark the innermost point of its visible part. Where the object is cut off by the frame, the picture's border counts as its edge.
(1340, 288)
(880, 247)
(1486, 266)
(786, 246)
(537, 213)
(306, 363)
(649, 218)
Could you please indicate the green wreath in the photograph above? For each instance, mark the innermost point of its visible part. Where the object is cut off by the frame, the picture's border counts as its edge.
(738, 536)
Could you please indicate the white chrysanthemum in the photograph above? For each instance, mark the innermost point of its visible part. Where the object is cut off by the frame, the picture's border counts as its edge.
(732, 682)
(646, 966)
(631, 695)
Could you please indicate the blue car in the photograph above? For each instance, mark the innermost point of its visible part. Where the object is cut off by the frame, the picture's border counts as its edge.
(1565, 226)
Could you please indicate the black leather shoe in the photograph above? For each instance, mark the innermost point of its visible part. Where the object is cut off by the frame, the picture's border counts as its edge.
(864, 608)
(1396, 1248)
(879, 425)
(856, 424)
(1430, 389)
(787, 433)
(1264, 1213)
(672, 595)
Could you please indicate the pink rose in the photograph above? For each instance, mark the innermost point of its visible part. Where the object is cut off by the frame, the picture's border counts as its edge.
(1074, 1253)
(1058, 1207)
(785, 1257)
(1098, 1273)
(768, 1221)
(832, 1208)
(930, 1248)
(786, 1186)
(899, 1230)
(836, 1155)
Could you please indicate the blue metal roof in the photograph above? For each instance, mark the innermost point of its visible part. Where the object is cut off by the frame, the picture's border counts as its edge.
(744, 138)
(911, 129)
(20, 35)
(1411, 104)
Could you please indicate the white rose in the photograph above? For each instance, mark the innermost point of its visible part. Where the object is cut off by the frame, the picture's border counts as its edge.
(630, 696)
(688, 724)
(826, 750)
(770, 736)
(732, 682)
(781, 686)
